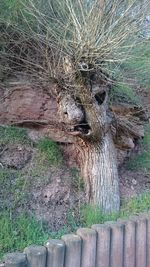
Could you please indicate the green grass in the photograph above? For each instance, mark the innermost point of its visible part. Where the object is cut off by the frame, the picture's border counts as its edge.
(142, 161)
(13, 189)
(20, 231)
(76, 180)
(11, 134)
(135, 205)
(50, 152)
(10, 12)
(139, 65)
(92, 215)
(15, 185)
(146, 140)
(123, 93)
(17, 232)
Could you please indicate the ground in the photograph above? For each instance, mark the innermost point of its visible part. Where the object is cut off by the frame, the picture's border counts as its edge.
(37, 183)
(135, 172)
(42, 178)
(41, 190)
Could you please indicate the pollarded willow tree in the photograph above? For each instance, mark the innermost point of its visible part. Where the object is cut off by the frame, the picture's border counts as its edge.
(78, 45)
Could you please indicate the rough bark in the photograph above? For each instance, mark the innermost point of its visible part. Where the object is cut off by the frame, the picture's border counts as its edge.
(94, 140)
(99, 167)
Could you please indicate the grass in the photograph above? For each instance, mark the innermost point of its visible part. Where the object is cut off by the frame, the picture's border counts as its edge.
(77, 181)
(13, 185)
(11, 134)
(16, 234)
(10, 12)
(123, 93)
(135, 205)
(91, 215)
(81, 22)
(139, 65)
(146, 140)
(50, 152)
(142, 161)
(22, 230)
(13, 189)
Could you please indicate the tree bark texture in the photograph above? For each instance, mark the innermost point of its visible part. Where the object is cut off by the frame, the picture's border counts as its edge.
(91, 125)
(99, 168)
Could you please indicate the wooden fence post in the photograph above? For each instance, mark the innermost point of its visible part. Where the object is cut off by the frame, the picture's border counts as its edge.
(36, 256)
(55, 253)
(73, 250)
(141, 226)
(117, 244)
(147, 217)
(16, 259)
(129, 242)
(103, 245)
(88, 237)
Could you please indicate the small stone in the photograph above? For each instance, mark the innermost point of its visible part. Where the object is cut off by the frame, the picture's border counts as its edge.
(134, 182)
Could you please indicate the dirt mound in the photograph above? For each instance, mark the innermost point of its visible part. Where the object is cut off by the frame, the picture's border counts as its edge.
(15, 156)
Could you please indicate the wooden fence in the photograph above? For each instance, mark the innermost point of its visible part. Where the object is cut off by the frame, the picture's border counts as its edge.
(125, 243)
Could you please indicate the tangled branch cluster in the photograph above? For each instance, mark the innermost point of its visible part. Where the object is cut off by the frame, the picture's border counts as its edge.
(82, 36)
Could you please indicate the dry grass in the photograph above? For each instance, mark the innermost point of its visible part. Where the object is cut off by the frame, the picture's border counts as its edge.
(62, 40)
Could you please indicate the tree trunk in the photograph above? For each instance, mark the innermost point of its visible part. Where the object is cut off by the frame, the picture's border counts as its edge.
(99, 169)
(88, 117)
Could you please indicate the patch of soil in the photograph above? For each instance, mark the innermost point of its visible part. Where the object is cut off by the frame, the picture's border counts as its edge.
(49, 192)
(53, 201)
(133, 183)
(15, 156)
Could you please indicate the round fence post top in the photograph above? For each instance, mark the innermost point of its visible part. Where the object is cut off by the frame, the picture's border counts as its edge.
(55, 252)
(145, 214)
(73, 250)
(15, 258)
(100, 226)
(35, 249)
(70, 237)
(136, 218)
(85, 231)
(109, 223)
(54, 243)
(124, 221)
(115, 224)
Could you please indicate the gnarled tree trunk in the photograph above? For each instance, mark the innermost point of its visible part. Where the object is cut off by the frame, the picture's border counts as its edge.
(87, 115)
(99, 168)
